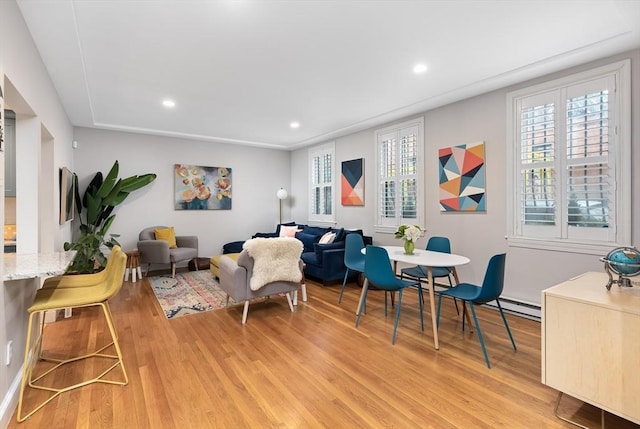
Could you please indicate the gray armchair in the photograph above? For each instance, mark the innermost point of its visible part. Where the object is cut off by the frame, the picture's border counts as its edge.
(154, 251)
(236, 277)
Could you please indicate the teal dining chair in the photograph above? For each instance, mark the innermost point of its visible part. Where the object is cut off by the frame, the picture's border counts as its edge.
(379, 273)
(419, 272)
(490, 290)
(353, 258)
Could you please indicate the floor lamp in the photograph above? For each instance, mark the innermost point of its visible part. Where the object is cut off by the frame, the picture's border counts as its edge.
(282, 194)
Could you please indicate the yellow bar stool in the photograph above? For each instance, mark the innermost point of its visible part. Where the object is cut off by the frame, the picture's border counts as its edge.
(58, 298)
(83, 280)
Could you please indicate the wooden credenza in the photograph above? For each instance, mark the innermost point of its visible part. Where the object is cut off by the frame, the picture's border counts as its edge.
(591, 343)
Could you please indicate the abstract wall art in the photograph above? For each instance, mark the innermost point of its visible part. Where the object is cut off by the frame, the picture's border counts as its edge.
(202, 188)
(352, 182)
(462, 178)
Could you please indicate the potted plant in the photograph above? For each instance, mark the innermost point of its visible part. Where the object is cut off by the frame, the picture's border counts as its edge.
(410, 234)
(95, 214)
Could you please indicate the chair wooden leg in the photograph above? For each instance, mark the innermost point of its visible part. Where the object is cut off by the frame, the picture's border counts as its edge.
(420, 304)
(245, 311)
(173, 270)
(363, 300)
(385, 304)
(288, 295)
(226, 303)
(455, 301)
(438, 311)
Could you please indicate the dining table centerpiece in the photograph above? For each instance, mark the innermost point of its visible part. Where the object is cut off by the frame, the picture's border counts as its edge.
(410, 234)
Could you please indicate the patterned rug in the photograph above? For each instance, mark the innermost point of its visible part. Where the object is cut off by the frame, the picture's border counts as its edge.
(189, 293)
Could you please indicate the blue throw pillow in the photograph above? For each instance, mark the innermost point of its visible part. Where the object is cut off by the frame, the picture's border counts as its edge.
(308, 240)
(315, 230)
(340, 234)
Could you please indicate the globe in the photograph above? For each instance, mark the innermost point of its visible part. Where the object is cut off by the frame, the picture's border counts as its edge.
(624, 261)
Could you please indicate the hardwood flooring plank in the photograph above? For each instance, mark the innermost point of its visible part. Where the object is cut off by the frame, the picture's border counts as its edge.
(308, 369)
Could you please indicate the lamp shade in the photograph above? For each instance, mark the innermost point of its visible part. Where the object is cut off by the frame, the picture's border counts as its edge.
(282, 193)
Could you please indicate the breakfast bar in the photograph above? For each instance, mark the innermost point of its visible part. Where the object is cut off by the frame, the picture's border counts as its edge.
(32, 265)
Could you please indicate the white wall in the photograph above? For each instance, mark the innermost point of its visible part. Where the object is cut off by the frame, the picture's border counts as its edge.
(257, 174)
(40, 120)
(476, 235)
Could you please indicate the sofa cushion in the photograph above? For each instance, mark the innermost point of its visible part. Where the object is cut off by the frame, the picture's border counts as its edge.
(328, 237)
(233, 247)
(308, 240)
(339, 234)
(320, 248)
(288, 231)
(166, 234)
(277, 233)
(315, 230)
(310, 258)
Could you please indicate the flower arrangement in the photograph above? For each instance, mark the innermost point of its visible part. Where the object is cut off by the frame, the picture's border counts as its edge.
(410, 234)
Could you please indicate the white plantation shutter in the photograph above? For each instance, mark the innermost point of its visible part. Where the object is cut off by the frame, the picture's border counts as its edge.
(537, 144)
(569, 143)
(399, 162)
(321, 196)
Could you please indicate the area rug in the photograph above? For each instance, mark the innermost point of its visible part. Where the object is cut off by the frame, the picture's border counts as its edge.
(188, 293)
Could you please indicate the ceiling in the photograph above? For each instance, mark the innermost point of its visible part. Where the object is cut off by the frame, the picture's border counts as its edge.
(240, 71)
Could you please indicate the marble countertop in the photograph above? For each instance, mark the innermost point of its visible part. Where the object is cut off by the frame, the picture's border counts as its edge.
(32, 265)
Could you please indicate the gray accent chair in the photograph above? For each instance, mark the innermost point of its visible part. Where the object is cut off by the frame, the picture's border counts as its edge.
(154, 251)
(235, 279)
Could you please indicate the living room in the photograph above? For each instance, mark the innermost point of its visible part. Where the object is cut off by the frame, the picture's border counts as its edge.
(259, 172)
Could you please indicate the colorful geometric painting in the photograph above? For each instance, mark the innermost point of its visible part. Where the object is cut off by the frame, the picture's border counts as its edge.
(201, 188)
(353, 182)
(462, 178)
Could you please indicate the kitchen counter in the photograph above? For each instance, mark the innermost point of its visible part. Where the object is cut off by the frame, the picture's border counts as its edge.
(32, 265)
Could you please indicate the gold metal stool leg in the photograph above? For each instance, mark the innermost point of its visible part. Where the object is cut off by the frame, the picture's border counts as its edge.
(33, 354)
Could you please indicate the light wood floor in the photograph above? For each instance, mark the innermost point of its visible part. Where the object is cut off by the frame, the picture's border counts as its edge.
(307, 369)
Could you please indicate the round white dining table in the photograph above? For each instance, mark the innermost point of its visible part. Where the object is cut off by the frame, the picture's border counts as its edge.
(428, 259)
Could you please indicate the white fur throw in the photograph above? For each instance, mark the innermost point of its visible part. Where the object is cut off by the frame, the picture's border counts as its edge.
(274, 259)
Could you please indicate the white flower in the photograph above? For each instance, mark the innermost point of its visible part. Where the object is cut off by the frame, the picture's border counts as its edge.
(409, 232)
(412, 233)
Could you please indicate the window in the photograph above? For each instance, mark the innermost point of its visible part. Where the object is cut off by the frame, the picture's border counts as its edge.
(399, 164)
(321, 195)
(569, 162)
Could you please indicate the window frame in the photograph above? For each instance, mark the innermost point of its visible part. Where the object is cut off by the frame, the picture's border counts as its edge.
(619, 160)
(320, 151)
(391, 224)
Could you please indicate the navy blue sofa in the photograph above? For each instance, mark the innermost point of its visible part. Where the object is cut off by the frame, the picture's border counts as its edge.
(323, 262)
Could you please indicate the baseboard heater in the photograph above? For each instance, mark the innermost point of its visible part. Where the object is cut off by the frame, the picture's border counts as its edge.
(512, 306)
(518, 308)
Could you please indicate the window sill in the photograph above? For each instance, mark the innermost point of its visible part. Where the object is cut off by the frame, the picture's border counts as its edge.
(587, 248)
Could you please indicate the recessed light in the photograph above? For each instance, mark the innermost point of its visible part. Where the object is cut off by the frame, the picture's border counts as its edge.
(168, 103)
(294, 124)
(419, 68)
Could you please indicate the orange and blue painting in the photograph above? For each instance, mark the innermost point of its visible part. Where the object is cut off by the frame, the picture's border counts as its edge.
(202, 188)
(462, 178)
(352, 181)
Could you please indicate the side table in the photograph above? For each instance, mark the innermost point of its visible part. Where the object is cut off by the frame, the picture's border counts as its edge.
(133, 265)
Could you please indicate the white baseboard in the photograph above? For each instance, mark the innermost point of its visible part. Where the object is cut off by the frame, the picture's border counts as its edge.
(10, 401)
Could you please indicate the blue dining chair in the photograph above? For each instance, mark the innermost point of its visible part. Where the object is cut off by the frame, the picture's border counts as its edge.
(419, 272)
(490, 290)
(353, 258)
(379, 273)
